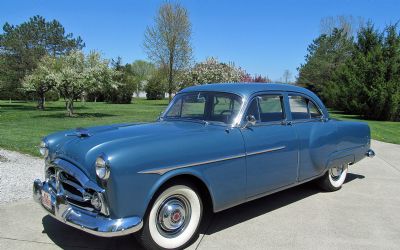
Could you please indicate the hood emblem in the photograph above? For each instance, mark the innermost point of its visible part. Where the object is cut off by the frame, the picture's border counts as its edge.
(80, 132)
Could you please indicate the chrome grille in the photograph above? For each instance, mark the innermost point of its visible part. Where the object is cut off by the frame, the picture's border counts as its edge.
(70, 187)
(76, 188)
(74, 191)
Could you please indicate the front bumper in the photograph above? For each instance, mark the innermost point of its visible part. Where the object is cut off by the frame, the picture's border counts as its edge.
(93, 223)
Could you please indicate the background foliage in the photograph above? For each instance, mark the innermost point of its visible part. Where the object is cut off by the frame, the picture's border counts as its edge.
(358, 75)
(22, 46)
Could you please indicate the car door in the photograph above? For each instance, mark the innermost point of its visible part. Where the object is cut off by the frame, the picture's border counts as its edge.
(316, 135)
(271, 145)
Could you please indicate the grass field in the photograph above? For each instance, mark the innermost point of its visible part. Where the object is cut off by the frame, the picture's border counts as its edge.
(380, 130)
(22, 126)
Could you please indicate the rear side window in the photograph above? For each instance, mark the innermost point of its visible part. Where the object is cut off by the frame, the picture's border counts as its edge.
(302, 108)
(314, 111)
(271, 108)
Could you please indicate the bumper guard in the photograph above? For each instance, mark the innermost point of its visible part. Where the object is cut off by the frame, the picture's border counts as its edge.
(93, 223)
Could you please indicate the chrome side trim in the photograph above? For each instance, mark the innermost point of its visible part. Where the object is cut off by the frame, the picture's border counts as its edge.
(162, 171)
(266, 150)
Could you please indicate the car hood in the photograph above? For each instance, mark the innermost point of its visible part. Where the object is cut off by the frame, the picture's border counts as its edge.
(82, 146)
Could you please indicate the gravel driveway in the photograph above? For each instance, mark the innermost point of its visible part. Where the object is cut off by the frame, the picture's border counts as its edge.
(17, 172)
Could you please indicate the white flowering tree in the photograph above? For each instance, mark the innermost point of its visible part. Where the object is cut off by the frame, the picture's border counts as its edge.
(211, 71)
(42, 79)
(79, 73)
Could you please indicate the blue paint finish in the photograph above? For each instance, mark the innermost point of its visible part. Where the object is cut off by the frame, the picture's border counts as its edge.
(222, 156)
(270, 170)
(316, 142)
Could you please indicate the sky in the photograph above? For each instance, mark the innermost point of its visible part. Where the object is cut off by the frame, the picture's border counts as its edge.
(262, 37)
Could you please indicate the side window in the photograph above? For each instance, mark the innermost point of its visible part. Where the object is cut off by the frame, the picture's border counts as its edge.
(271, 108)
(253, 109)
(298, 107)
(303, 108)
(314, 111)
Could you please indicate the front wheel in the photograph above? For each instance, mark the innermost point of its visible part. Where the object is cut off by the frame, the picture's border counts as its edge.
(174, 218)
(334, 178)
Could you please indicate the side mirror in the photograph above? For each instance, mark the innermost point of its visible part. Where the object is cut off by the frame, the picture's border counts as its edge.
(250, 121)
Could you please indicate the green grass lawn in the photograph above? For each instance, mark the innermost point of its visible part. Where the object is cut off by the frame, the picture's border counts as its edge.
(22, 126)
(380, 130)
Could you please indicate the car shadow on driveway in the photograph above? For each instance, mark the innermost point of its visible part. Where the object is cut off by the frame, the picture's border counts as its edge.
(67, 237)
(253, 209)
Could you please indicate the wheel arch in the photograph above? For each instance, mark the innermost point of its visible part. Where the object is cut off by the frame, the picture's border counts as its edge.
(201, 185)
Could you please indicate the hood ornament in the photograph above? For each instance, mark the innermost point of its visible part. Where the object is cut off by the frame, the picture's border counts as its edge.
(80, 132)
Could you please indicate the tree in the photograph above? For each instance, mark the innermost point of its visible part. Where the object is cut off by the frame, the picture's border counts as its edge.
(141, 72)
(212, 71)
(126, 87)
(156, 87)
(349, 24)
(167, 43)
(368, 83)
(257, 78)
(359, 76)
(22, 46)
(325, 55)
(42, 79)
(79, 73)
(287, 75)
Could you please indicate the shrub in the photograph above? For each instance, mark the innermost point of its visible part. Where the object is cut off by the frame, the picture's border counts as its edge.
(156, 87)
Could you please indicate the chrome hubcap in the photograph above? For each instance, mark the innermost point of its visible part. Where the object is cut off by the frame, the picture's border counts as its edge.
(336, 172)
(173, 215)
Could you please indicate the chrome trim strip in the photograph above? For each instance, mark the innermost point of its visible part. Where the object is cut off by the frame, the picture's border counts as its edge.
(266, 150)
(162, 171)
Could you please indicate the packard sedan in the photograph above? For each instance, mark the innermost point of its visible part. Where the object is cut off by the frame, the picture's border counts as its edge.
(214, 147)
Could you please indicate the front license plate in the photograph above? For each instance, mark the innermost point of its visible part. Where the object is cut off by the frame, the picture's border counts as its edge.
(46, 200)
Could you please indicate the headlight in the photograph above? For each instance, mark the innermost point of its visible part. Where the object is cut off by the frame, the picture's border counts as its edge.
(43, 149)
(102, 168)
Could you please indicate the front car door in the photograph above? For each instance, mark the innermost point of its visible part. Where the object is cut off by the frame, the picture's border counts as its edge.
(271, 145)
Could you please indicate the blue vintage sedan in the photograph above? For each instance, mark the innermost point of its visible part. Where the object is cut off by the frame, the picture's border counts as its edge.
(214, 147)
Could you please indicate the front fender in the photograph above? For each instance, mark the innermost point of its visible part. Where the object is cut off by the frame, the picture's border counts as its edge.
(131, 194)
(176, 173)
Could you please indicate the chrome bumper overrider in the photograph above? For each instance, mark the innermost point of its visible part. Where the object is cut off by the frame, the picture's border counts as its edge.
(370, 153)
(87, 221)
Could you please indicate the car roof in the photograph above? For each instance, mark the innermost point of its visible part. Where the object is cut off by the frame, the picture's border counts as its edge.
(246, 89)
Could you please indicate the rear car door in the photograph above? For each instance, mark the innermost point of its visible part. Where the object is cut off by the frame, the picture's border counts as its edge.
(271, 145)
(316, 135)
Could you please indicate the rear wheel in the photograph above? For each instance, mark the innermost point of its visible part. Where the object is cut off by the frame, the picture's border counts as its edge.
(173, 219)
(334, 178)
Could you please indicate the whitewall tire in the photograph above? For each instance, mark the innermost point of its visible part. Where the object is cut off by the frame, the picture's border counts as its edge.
(334, 178)
(173, 219)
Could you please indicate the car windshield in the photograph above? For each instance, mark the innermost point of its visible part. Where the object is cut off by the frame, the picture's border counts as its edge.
(205, 106)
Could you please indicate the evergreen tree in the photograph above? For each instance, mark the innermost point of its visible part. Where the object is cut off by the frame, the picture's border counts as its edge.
(22, 46)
